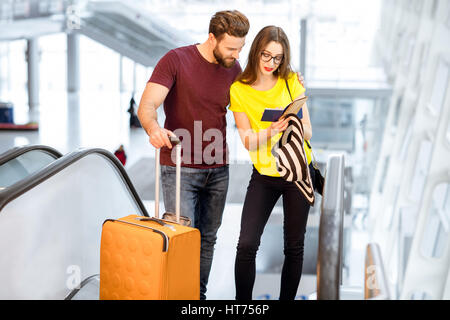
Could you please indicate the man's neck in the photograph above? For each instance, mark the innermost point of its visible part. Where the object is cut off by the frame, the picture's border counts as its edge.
(207, 52)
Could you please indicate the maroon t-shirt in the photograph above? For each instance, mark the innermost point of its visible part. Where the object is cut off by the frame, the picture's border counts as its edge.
(195, 106)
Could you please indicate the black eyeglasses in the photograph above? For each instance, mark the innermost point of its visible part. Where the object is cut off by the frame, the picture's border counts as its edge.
(266, 57)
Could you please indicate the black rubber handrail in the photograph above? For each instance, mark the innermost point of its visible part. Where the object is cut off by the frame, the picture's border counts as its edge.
(18, 151)
(9, 194)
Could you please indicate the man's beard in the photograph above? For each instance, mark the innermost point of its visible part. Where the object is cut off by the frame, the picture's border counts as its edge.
(221, 60)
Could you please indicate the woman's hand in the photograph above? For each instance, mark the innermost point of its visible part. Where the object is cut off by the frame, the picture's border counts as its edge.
(251, 139)
(278, 126)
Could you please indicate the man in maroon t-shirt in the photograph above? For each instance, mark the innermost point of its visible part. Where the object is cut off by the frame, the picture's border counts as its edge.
(194, 83)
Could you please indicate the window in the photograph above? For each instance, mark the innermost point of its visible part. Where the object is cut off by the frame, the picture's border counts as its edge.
(409, 5)
(421, 170)
(387, 219)
(323, 113)
(423, 59)
(448, 133)
(440, 87)
(419, 5)
(409, 50)
(399, 43)
(389, 215)
(5, 10)
(384, 174)
(435, 237)
(398, 107)
(433, 9)
(408, 221)
(407, 139)
(394, 206)
(448, 19)
(345, 114)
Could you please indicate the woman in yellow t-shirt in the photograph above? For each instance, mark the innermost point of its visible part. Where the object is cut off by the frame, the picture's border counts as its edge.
(263, 85)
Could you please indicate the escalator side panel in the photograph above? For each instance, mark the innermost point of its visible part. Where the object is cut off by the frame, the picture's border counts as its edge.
(50, 235)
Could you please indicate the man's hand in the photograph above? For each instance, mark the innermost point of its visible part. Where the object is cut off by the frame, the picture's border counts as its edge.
(301, 79)
(159, 137)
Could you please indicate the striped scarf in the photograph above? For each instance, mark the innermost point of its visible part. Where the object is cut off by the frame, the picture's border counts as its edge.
(291, 161)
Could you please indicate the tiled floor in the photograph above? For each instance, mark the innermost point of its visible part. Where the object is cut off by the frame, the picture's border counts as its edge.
(100, 119)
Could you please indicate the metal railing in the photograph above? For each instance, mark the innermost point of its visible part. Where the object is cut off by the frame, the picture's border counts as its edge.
(27, 9)
(375, 281)
(331, 229)
(330, 253)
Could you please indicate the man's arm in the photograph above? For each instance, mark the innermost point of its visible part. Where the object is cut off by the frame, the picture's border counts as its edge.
(153, 96)
(306, 121)
(301, 79)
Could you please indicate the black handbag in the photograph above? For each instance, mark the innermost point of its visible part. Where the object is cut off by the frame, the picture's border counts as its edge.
(318, 180)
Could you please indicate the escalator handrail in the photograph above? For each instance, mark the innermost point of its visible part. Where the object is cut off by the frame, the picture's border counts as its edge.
(18, 151)
(331, 229)
(94, 277)
(22, 186)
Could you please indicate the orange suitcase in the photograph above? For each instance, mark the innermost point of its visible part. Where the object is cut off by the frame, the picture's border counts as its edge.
(149, 258)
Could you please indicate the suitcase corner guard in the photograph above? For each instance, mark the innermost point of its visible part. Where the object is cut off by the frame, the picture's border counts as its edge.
(165, 237)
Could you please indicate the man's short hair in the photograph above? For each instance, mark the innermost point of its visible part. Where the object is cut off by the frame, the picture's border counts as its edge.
(232, 22)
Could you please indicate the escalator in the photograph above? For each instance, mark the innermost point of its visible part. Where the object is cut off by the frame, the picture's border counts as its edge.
(130, 31)
(20, 162)
(51, 218)
(50, 225)
(122, 26)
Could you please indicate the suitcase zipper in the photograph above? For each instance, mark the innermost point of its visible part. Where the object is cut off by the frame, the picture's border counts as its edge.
(165, 237)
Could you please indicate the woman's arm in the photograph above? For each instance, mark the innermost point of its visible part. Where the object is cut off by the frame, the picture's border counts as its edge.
(251, 139)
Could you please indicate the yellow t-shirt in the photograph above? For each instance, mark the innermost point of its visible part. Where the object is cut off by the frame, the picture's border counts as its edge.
(244, 98)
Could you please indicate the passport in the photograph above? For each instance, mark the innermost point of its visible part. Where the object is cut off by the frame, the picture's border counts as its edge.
(295, 107)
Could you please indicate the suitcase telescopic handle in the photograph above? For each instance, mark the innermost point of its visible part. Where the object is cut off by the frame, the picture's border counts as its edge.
(177, 144)
(174, 141)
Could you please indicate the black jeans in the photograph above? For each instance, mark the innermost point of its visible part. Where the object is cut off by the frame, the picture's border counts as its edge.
(262, 194)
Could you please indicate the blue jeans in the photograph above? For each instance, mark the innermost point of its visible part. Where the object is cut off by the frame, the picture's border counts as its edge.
(203, 196)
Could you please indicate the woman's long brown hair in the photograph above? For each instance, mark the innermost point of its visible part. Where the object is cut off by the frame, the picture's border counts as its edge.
(262, 39)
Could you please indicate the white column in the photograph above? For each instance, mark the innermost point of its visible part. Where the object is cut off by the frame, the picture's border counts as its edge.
(33, 57)
(134, 77)
(121, 86)
(73, 62)
(303, 32)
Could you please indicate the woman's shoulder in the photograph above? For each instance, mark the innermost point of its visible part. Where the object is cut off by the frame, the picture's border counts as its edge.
(293, 81)
(292, 76)
(238, 86)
